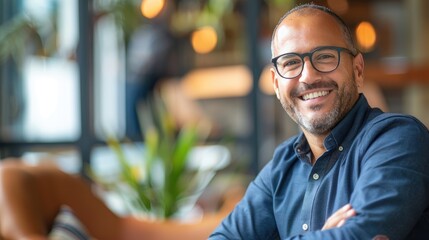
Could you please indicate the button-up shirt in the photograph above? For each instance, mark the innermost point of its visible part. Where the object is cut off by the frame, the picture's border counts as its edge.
(378, 162)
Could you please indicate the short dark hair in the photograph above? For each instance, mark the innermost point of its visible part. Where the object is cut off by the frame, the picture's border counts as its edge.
(345, 29)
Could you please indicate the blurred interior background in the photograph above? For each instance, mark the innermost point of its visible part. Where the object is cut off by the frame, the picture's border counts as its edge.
(73, 71)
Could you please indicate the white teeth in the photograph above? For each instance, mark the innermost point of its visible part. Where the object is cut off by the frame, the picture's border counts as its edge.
(315, 95)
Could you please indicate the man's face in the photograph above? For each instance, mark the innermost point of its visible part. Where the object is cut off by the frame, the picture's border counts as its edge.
(315, 100)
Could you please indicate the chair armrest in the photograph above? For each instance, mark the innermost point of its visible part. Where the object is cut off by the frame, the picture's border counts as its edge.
(31, 196)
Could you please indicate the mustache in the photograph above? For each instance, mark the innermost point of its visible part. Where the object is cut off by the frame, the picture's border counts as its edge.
(306, 87)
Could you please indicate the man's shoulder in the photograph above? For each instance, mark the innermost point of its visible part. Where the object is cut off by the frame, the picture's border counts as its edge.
(387, 127)
(283, 158)
(285, 150)
(287, 144)
(396, 120)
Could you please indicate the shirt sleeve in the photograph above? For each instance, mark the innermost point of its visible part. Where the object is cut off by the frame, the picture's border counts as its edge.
(253, 216)
(392, 191)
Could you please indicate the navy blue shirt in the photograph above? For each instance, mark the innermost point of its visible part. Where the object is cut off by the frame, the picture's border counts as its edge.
(378, 162)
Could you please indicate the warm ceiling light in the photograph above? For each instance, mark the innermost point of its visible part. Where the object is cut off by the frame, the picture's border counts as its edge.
(204, 39)
(218, 82)
(366, 36)
(151, 8)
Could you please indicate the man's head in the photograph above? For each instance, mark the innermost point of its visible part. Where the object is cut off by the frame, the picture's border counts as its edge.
(309, 8)
(318, 92)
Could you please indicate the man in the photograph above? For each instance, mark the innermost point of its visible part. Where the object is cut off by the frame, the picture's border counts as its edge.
(354, 172)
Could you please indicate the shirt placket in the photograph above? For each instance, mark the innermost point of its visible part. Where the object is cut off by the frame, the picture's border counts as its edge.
(314, 180)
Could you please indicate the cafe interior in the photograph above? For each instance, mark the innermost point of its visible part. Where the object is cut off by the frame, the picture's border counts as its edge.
(115, 91)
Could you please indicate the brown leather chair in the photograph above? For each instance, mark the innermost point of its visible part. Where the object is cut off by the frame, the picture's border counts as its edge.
(31, 197)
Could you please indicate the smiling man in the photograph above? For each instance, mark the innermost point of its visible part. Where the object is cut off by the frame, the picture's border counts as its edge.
(354, 172)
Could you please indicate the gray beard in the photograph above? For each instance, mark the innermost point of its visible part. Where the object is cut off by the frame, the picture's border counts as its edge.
(320, 126)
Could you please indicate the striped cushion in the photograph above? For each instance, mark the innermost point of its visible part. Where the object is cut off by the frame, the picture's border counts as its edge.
(68, 227)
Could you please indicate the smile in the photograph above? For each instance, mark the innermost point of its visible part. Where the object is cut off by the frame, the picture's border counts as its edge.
(313, 95)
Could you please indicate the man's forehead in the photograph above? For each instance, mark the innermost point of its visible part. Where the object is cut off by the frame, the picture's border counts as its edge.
(312, 21)
(306, 22)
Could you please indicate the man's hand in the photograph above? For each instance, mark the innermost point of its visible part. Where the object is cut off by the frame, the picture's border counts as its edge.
(339, 217)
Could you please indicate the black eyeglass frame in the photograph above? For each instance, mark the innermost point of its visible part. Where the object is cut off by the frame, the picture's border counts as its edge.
(310, 56)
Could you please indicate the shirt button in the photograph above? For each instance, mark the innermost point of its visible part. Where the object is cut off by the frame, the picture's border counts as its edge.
(340, 148)
(315, 176)
(305, 227)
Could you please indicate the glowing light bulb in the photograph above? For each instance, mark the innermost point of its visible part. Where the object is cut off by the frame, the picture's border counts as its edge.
(204, 39)
(366, 36)
(151, 8)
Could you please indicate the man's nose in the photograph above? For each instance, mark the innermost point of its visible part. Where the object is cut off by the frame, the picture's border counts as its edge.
(309, 74)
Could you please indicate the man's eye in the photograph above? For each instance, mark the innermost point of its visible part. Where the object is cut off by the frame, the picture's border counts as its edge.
(291, 63)
(323, 57)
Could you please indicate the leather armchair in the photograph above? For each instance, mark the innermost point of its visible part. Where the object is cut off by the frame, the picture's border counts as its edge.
(31, 197)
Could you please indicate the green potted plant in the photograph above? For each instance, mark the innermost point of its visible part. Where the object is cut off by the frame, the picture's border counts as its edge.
(173, 169)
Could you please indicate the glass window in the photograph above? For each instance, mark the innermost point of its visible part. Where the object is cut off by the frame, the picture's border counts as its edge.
(41, 95)
(109, 79)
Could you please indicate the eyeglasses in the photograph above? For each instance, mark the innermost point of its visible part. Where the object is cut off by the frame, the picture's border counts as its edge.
(324, 59)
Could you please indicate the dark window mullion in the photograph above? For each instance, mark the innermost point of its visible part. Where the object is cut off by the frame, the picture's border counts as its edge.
(86, 69)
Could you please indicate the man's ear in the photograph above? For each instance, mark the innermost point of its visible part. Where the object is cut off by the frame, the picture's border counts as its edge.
(358, 68)
(274, 81)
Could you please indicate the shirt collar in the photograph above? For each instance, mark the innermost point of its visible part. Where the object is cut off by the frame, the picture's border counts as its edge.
(348, 127)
